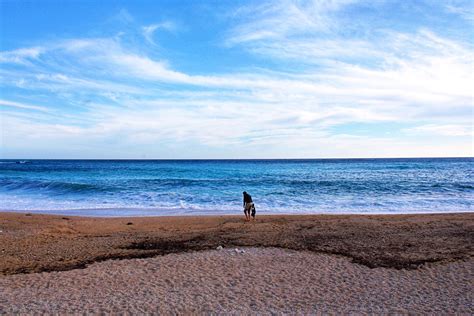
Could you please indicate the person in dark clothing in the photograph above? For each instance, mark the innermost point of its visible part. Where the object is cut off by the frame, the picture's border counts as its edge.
(248, 206)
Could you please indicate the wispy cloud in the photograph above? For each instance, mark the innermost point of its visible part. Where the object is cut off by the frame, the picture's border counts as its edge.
(123, 16)
(279, 19)
(444, 130)
(464, 9)
(23, 106)
(149, 30)
(20, 56)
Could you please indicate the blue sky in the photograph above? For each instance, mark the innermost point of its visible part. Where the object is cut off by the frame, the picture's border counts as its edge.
(236, 79)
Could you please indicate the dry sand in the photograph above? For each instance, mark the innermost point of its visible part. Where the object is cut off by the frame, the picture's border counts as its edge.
(291, 264)
(260, 280)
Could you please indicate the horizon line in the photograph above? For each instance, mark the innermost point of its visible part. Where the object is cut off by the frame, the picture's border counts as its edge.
(243, 159)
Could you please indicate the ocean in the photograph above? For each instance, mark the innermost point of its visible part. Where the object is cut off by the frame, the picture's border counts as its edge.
(214, 187)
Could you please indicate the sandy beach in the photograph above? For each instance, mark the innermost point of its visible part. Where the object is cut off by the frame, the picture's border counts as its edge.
(284, 264)
(140, 139)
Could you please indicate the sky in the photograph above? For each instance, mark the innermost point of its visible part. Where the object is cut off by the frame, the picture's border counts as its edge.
(236, 79)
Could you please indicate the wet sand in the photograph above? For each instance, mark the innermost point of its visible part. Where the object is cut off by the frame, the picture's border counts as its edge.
(291, 264)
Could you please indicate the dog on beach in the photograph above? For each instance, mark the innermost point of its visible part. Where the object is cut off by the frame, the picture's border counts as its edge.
(253, 211)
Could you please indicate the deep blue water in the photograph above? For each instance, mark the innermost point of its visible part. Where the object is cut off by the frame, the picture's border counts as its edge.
(160, 187)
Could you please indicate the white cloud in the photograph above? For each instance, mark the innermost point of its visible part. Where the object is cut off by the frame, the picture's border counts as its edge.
(443, 130)
(23, 106)
(253, 109)
(149, 30)
(465, 9)
(123, 16)
(20, 56)
(278, 19)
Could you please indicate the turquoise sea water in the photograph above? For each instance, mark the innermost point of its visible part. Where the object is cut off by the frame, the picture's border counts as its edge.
(198, 187)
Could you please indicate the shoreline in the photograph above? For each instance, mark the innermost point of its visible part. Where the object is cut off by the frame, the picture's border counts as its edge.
(40, 243)
(74, 213)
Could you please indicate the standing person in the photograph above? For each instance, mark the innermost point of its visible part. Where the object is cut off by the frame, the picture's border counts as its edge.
(248, 205)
